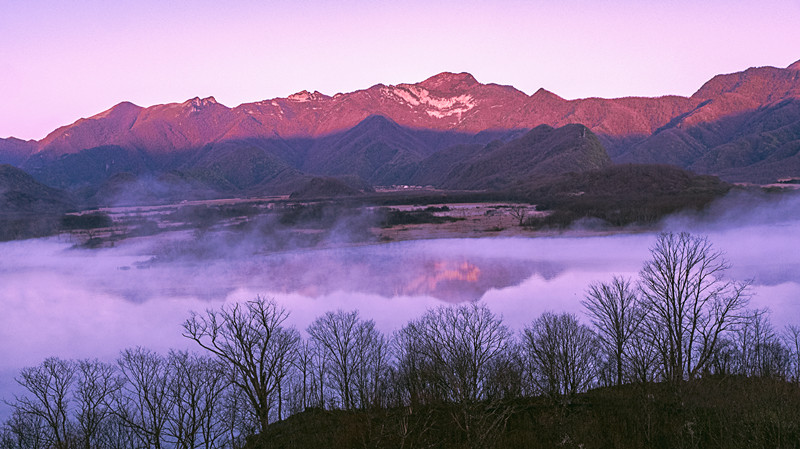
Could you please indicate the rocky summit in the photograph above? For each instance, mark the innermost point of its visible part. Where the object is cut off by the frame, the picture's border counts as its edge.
(449, 130)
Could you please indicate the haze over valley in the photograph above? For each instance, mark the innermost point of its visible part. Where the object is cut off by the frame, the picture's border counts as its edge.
(473, 225)
(74, 302)
(350, 161)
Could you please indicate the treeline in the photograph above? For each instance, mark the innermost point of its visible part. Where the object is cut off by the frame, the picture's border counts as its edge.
(621, 195)
(453, 377)
(23, 226)
(28, 226)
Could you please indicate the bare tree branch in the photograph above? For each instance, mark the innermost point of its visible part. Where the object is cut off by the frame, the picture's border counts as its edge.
(252, 342)
(688, 301)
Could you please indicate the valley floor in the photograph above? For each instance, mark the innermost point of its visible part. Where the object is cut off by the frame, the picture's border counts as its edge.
(470, 220)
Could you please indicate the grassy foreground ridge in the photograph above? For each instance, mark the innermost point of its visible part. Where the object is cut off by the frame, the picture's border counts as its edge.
(713, 412)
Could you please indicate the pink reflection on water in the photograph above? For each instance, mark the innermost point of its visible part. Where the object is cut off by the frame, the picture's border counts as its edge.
(81, 303)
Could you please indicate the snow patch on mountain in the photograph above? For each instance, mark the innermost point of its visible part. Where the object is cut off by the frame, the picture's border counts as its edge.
(465, 102)
(403, 94)
(448, 113)
(438, 107)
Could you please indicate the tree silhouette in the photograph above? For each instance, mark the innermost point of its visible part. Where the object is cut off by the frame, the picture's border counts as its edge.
(689, 303)
(613, 308)
(252, 342)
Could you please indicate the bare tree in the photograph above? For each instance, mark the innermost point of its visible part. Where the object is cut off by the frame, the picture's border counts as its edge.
(319, 365)
(334, 334)
(613, 308)
(251, 340)
(144, 402)
(561, 354)
(776, 360)
(766, 354)
(643, 355)
(116, 434)
(237, 421)
(304, 373)
(97, 383)
(49, 385)
(287, 353)
(452, 352)
(356, 355)
(519, 212)
(411, 382)
(688, 301)
(724, 360)
(27, 431)
(196, 388)
(456, 346)
(506, 374)
(791, 338)
(753, 335)
(373, 366)
(7, 439)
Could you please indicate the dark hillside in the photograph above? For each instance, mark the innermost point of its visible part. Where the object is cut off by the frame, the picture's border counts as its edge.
(89, 167)
(622, 194)
(725, 413)
(14, 151)
(759, 145)
(377, 150)
(21, 194)
(126, 189)
(434, 169)
(540, 152)
(27, 207)
(236, 166)
(766, 148)
(320, 187)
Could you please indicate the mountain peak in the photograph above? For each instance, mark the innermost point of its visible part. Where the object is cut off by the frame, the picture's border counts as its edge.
(449, 80)
(544, 94)
(305, 95)
(198, 102)
(795, 66)
(118, 109)
(376, 122)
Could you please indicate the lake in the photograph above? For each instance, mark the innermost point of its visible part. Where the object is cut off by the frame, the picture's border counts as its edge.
(75, 303)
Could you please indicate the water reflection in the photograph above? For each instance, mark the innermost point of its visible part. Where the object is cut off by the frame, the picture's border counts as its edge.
(79, 303)
(61, 301)
(404, 269)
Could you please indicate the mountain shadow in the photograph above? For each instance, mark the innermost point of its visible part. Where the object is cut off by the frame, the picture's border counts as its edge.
(15, 151)
(20, 193)
(377, 151)
(543, 151)
(760, 145)
(29, 208)
(620, 195)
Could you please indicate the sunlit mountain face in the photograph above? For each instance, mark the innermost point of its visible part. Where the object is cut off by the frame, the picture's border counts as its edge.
(742, 127)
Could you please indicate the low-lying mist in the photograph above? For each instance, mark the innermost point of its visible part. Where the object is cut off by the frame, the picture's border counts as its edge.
(58, 300)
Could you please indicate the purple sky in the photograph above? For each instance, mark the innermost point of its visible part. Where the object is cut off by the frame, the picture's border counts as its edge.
(63, 60)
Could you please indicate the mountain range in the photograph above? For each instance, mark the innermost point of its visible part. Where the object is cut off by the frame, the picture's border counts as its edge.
(450, 131)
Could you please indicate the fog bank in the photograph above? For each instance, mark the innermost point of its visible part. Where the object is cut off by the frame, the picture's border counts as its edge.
(76, 303)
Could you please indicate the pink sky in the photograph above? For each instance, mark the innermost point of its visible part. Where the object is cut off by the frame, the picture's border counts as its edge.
(63, 60)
